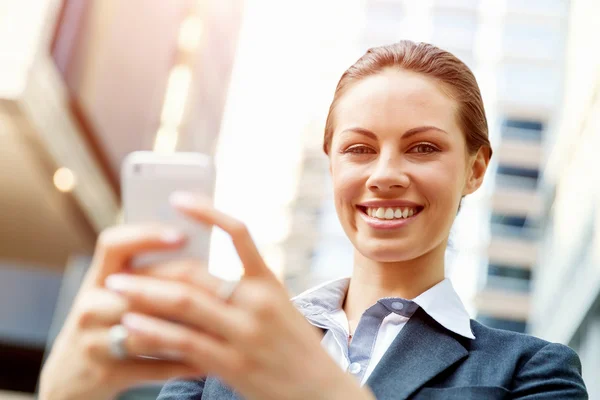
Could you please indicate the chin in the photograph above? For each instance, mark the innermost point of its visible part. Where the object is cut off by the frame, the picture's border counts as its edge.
(389, 253)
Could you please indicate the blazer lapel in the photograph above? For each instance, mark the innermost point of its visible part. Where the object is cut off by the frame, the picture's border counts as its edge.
(422, 350)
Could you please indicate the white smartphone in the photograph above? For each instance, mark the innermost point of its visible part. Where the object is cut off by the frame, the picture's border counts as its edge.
(147, 181)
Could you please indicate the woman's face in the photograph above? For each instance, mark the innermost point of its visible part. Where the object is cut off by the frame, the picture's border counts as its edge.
(399, 165)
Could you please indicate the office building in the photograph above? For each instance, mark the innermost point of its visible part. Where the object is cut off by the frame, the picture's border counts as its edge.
(565, 300)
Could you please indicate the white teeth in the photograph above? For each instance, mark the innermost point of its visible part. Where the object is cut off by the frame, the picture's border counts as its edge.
(389, 213)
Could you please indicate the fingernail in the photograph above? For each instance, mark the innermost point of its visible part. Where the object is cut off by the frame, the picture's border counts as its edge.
(172, 236)
(137, 323)
(118, 283)
(182, 199)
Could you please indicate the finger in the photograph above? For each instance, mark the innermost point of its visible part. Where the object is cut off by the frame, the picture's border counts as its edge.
(150, 335)
(179, 302)
(192, 272)
(201, 210)
(100, 307)
(96, 345)
(118, 244)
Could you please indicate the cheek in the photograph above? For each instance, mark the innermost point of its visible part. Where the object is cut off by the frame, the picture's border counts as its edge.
(348, 185)
(443, 183)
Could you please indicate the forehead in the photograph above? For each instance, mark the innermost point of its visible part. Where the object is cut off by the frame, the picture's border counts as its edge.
(396, 100)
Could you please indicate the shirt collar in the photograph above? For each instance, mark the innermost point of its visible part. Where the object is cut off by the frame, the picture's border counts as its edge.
(440, 302)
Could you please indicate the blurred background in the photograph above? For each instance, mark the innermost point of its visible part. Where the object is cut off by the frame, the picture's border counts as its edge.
(84, 82)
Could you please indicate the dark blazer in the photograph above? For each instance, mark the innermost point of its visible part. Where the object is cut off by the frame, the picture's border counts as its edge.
(426, 361)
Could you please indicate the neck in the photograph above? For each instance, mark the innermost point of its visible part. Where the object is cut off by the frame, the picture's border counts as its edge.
(372, 280)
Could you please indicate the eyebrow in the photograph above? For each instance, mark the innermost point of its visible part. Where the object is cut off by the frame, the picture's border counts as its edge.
(405, 135)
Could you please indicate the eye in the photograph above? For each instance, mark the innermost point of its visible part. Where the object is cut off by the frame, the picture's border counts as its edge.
(359, 149)
(424, 148)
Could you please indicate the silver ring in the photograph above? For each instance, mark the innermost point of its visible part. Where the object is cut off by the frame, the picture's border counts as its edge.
(226, 289)
(117, 335)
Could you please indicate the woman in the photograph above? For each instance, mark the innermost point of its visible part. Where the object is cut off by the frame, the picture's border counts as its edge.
(407, 139)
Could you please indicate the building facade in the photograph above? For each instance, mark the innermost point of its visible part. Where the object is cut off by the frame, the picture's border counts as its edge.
(565, 305)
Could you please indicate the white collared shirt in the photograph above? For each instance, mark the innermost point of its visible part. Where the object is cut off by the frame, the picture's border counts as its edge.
(322, 306)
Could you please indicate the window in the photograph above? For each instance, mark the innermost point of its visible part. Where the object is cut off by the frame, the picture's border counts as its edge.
(508, 284)
(523, 124)
(516, 182)
(509, 271)
(518, 177)
(525, 234)
(517, 221)
(532, 173)
(514, 226)
(508, 278)
(511, 226)
(522, 129)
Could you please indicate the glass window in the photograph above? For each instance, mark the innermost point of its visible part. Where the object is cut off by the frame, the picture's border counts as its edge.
(532, 173)
(516, 182)
(517, 221)
(523, 124)
(508, 284)
(514, 232)
(509, 271)
(522, 129)
(523, 134)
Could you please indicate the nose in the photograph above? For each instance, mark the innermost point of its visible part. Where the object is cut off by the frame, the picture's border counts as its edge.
(389, 175)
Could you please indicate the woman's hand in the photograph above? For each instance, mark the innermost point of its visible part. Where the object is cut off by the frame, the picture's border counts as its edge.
(80, 365)
(256, 342)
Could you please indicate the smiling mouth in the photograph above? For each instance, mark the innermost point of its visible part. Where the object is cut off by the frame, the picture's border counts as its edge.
(390, 213)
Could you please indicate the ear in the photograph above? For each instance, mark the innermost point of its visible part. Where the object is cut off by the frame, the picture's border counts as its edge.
(476, 170)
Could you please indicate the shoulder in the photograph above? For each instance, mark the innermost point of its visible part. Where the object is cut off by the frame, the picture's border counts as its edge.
(520, 345)
(538, 366)
(502, 338)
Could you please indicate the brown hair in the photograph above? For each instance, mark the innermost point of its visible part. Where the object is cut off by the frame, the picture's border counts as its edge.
(456, 78)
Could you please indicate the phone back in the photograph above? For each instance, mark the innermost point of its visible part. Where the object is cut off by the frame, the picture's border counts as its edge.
(148, 179)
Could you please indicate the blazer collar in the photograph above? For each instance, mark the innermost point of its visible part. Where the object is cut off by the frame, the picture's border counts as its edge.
(422, 350)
